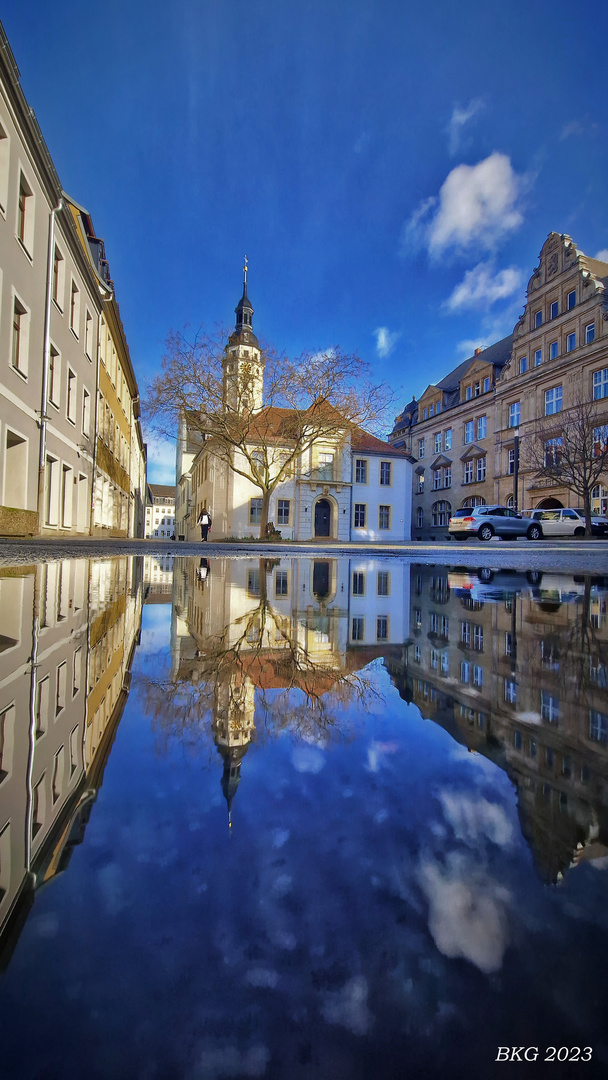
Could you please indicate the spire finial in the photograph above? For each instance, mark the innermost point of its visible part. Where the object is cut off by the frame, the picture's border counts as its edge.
(245, 268)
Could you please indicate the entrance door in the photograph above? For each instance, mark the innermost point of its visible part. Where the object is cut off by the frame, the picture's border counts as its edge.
(322, 518)
(320, 579)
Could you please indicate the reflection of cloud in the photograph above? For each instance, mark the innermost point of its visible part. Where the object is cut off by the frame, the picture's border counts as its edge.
(307, 759)
(376, 753)
(229, 1061)
(262, 977)
(477, 205)
(472, 817)
(467, 914)
(279, 837)
(348, 1007)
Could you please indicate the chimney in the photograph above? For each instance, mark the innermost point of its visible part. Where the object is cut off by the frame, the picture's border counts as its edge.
(478, 350)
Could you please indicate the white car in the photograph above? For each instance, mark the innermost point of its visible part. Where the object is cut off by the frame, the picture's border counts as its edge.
(565, 522)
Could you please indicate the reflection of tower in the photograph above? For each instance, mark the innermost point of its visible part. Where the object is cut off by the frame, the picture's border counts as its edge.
(233, 728)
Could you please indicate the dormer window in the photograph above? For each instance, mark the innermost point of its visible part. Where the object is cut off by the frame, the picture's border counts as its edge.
(477, 389)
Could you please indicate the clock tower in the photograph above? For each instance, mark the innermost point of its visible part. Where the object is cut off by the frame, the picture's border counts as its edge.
(243, 364)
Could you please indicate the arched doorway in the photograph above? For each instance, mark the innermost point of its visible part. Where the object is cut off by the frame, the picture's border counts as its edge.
(320, 579)
(550, 504)
(323, 518)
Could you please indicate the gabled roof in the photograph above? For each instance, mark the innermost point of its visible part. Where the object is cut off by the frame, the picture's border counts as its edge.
(162, 491)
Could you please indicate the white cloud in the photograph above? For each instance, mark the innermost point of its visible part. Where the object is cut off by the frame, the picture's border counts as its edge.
(348, 1007)
(477, 205)
(481, 287)
(467, 914)
(161, 460)
(385, 340)
(574, 127)
(459, 118)
(472, 817)
(467, 347)
(602, 255)
(306, 759)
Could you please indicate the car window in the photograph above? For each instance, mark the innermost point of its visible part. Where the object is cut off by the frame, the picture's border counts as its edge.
(570, 514)
(498, 512)
(550, 515)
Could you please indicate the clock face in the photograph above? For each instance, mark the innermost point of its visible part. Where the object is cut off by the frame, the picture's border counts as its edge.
(246, 369)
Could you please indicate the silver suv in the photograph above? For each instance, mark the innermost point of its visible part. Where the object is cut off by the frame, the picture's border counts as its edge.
(488, 521)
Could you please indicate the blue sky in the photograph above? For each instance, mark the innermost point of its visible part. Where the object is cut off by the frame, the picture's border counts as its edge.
(391, 169)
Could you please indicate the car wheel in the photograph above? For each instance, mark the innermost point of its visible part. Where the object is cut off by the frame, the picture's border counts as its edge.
(485, 574)
(460, 538)
(534, 532)
(534, 577)
(579, 532)
(486, 532)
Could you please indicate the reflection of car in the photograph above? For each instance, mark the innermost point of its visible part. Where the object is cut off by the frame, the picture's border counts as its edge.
(488, 521)
(566, 522)
(488, 584)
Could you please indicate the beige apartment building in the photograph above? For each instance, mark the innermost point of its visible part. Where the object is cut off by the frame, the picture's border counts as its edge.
(450, 434)
(57, 306)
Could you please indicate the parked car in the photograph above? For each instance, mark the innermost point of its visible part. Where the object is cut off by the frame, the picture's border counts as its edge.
(566, 522)
(488, 521)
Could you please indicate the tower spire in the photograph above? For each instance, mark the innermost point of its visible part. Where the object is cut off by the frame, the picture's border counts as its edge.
(244, 310)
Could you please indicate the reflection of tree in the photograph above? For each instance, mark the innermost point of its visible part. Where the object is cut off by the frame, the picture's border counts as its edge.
(262, 663)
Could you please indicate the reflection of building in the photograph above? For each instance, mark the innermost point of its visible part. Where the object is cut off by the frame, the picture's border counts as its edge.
(519, 672)
(62, 689)
(248, 632)
(345, 485)
(73, 463)
(160, 511)
(158, 578)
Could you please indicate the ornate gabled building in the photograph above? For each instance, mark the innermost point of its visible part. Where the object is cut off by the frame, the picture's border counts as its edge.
(346, 485)
(559, 359)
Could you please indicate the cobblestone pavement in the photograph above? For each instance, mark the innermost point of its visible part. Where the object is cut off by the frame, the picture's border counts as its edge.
(567, 556)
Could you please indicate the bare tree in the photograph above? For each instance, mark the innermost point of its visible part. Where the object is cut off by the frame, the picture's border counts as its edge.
(571, 448)
(314, 397)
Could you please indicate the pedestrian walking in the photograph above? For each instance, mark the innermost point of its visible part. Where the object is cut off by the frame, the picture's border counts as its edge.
(204, 520)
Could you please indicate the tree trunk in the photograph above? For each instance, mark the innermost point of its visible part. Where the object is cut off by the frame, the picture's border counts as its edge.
(587, 505)
(264, 516)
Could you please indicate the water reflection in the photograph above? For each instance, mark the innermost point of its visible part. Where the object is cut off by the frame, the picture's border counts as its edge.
(515, 666)
(69, 634)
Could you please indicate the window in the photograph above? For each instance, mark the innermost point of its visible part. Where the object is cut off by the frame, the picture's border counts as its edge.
(447, 476)
(430, 410)
(517, 740)
(436, 479)
(538, 357)
(553, 400)
(434, 658)
(420, 486)
(253, 582)
(441, 513)
(538, 318)
(571, 342)
(508, 643)
(467, 476)
(514, 413)
(523, 365)
(465, 633)
(71, 402)
(553, 350)
(478, 638)
(447, 439)
(7, 734)
(486, 384)
(434, 622)
(283, 511)
(445, 663)
(4, 168)
(255, 511)
(600, 384)
(280, 583)
(382, 583)
(419, 518)
(481, 468)
(358, 628)
(589, 333)
(482, 427)
(469, 393)
(360, 471)
(554, 309)
(86, 413)
(511, 693)
(469, 432)
(600, 440)
(477, 389)
(421, 448)
(384, 517)
(598, 725)
(385, 473)
(417, 654)
(571, 300)
(359, 522)
(54, 377)
(553, 452)
(549, 707)
(438, 407)
(58, 278)
(74, 308)
(382, 628)
(62, 675)
(21, 326)
(511, 462)
(465, 671)
(478, 676)
(417, 618)
(437, 442)
(424, 414)
(358, 583)
(25, 216)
